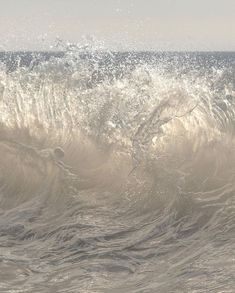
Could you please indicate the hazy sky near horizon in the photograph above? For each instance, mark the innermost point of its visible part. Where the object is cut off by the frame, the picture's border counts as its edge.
(119, 24)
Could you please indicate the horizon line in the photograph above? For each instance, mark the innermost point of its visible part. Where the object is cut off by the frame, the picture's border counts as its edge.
(123, 51)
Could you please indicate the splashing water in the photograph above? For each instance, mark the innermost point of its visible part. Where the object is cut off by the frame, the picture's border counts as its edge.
(117, 172)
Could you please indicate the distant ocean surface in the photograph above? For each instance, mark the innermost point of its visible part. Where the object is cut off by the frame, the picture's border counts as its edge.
(117, 172)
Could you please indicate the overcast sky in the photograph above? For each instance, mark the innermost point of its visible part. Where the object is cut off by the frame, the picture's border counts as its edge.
(119, 24)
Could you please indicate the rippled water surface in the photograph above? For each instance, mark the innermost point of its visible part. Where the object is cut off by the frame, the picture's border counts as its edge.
(117, 172)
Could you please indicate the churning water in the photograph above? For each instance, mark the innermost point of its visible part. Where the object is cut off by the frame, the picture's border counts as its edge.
(117, 172)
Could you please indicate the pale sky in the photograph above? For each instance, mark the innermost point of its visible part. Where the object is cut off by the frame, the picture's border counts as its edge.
(119, 24)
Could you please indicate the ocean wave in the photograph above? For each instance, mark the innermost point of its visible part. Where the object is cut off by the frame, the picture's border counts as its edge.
(125, 174)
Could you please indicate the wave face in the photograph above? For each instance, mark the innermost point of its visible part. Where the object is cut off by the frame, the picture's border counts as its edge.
(117, 172)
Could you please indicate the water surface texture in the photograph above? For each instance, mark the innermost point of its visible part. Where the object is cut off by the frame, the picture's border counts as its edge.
(117, 172)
